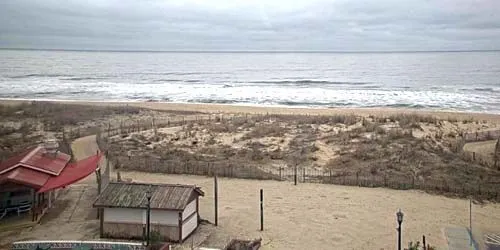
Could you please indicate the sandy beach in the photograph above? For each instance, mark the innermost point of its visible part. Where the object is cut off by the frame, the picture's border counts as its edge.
(234, 109)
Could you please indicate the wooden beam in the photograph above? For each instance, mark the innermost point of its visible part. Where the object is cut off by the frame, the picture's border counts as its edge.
(295, 176)
(107, 171)
(197, 211)
(100, 211)
(33, 205)
(50, 199)
(180, 227)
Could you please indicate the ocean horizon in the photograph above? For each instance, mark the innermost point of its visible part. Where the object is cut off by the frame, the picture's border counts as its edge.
(463, 81)
(249, 51)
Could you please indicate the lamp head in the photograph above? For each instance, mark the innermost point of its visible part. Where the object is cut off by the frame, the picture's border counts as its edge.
(400, 215)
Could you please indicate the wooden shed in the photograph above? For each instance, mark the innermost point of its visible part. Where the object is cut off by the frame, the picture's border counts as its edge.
(123, 208)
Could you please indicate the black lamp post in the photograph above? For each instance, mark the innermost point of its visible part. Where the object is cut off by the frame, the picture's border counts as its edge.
(399, 216)
(148, 214)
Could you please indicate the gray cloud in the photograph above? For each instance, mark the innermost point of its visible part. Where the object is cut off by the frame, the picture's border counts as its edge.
(251, 25)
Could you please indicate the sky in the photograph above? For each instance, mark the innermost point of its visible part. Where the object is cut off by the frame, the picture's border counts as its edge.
(270, 25)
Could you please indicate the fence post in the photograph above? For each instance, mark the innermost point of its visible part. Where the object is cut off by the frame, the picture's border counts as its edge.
(423, 241)
(280, 175)
(295, 176)
(261, 209)
(470, 218)
(304, 175)
(216, 200)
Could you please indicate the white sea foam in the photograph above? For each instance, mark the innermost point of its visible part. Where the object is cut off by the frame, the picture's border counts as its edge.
(441, 81)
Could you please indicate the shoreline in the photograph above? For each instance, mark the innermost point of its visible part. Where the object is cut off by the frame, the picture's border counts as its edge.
(271, 109)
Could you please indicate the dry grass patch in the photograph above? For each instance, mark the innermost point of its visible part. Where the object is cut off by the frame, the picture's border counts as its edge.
(265, 130)
(406, 147)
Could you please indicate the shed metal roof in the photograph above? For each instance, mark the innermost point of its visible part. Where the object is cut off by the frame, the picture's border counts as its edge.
(133, 195)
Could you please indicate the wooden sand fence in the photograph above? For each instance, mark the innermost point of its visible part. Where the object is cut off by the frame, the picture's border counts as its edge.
(482, 135)
(231, 169)
(492, 161)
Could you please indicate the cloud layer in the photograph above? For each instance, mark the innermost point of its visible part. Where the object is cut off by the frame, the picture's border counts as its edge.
(340, 25)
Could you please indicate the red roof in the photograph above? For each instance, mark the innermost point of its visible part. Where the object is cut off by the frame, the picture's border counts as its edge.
(72, 173)
(14, 160)
(40, 171)
(39, 159)
(25, 176)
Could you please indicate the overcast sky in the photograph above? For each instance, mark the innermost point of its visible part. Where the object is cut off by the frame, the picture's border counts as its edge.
(337, 25)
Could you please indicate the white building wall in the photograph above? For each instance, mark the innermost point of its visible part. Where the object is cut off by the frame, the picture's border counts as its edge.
(164, 217)
(137, 215)
(124, 215)
(189, 226)
(190, 209)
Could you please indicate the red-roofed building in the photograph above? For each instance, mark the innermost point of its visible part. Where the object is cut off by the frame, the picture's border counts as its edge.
(30, 181)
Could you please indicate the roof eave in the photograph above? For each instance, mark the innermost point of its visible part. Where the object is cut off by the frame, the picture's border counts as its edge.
(199, 191)
(153, 208)
(22, 183)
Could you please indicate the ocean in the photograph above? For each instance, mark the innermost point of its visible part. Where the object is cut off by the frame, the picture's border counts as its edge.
(452, 81)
